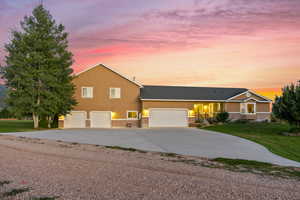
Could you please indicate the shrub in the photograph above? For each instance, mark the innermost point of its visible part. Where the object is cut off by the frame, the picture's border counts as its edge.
(294, 130)
(274, 118)
(222, 117)
(241, 121)
(199, 120)
(211, 120)
(5, 114)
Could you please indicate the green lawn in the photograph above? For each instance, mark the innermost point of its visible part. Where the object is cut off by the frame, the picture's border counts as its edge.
(266, 134)
(15, 125)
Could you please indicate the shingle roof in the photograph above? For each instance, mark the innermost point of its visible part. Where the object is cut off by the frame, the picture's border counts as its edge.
(189, 93)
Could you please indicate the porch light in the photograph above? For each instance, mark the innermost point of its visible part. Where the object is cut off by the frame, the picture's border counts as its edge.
(113, 115)
(191, 113)
(145, 113)
(61, 117)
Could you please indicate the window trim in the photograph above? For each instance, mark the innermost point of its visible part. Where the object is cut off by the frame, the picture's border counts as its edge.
(92, 92)
(110, 93)
(137, 115)
(246, 108)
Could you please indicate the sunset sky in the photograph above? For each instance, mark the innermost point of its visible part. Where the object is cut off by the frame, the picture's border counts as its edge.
(230, 43)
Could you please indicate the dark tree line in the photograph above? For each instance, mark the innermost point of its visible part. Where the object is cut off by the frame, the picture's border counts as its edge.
(287, 106)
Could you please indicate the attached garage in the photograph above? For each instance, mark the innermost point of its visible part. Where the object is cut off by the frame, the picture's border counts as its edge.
(168, 117)
(76, 119)
(100, 119)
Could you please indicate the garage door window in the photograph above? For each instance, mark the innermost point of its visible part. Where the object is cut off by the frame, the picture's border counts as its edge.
(132, 114)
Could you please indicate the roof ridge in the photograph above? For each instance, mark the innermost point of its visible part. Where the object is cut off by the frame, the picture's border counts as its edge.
(193, 86)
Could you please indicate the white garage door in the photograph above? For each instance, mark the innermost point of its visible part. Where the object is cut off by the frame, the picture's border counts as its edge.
(168, 117)
(100, 119)
(76, 119)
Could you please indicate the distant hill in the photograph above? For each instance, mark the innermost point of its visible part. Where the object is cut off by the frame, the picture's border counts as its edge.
(2, 95)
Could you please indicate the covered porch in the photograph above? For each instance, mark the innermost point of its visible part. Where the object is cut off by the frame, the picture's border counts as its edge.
(207, 110)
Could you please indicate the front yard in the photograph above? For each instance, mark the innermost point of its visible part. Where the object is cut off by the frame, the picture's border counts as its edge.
(16, 126)
(266, 134)
(83, 171)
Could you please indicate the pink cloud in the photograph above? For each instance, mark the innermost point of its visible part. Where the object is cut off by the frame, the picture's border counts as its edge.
(198, 42)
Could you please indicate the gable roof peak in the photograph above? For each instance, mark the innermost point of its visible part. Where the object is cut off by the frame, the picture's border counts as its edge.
(109, 68)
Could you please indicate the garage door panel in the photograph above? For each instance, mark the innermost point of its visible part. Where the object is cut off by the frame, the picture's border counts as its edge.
(76, 119)
(100, 119)
(168, 118)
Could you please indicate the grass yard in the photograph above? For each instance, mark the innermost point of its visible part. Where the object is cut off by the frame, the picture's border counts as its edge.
(16, 126)
(266, 134)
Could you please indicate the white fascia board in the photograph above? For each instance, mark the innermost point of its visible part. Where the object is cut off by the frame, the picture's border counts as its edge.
(237, 95)
(260, 96)
(267, 100)
(182, 100)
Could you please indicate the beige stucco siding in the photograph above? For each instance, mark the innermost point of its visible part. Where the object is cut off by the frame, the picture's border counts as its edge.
(263, 107)
(235, 107)
(101, 79)
(232, 107)
(168, 104)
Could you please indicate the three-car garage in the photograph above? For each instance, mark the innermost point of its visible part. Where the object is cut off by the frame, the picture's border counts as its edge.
(158, 117)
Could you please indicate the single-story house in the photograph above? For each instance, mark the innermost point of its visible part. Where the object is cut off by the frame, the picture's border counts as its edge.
(108, 99)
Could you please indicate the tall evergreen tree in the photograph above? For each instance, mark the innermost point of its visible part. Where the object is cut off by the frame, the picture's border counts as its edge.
(287, 106)
(38, 69)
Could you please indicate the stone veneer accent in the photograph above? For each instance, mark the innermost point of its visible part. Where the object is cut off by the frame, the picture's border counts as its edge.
(145, 122)
(257, 116)
(125, 123)
(191, 120)
(263, 116)
(234, 116)
(61, 123)
(88, 123)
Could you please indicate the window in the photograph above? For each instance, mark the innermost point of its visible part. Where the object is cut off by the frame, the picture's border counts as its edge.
(87, 92)
(115, 93)
(132, 114)
(248, 108)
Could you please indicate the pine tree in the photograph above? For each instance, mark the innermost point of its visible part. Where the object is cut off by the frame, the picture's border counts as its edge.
(38, 70)
(287, 106)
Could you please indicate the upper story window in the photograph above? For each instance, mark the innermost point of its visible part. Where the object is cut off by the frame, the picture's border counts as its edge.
(115, 93)
(87, 92)
(248, 108)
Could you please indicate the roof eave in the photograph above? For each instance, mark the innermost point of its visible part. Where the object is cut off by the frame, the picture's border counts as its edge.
(199, 100)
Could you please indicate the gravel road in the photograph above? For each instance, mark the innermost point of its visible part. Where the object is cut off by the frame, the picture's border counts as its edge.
(74, 171)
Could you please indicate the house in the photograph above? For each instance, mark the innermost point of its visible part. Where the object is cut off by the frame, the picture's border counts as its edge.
(108, 99)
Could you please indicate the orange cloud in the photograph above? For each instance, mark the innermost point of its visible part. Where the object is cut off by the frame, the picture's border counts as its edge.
(271, 93)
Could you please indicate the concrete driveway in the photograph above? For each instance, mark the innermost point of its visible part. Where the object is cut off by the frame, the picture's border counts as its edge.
(186, 141)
